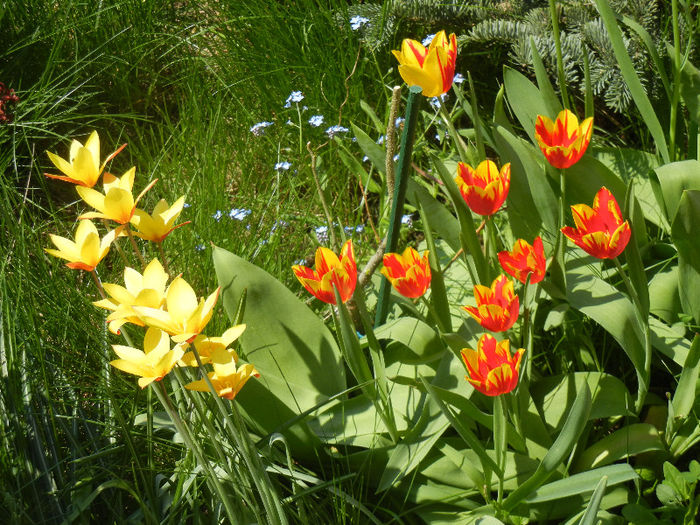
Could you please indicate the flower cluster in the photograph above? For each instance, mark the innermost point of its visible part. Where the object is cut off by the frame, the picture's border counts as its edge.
(7, 98)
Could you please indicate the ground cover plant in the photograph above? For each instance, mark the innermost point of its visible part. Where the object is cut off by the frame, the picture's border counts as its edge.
(296, 294)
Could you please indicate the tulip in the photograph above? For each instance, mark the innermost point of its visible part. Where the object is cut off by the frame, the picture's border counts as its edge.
(432, 69)
(563, 142)
(408, 273)
(484, 189)
(492, 370)
(330, 271)
(207, 346)
(117, 203)
(141, 290)
(152, 363)
(87, 251)
(185, 318)
(83, 165)
(600, 230)
(497, 307)
(157, 226)
(227, 378)
(524, 260)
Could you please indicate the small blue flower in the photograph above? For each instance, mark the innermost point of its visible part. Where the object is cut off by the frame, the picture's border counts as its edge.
(357, 21)
(282, 166)
(426, 41)
(259, 128)
(199, 247)
(289, 123)
(299, 262)
(322, 234)
(217, 216)
(316, 120)
(407, 220)
(295, 96)
(380, 140)
(334, 130)
(365, 158)
(458, 78)
(399, 121)
(435, 103)
(186, 205)
(360, 228)
(396, 157)
(239, 213)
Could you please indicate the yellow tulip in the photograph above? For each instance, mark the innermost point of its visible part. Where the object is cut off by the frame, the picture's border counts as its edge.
(207, 346)
(83, 165)
(152, 363)
(117, 203)
(227, 378)
(141, 290)
(185, 317)
(87, 250)
(433, 69)
(158, 225)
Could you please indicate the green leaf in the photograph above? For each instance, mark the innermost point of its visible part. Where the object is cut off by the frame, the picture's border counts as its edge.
(684, 397)
(586, 177)
(690, 90)
(374, 151)
(443, 222)
(372, 115)
(628, 441)
(582, 483)
(664, 298)
(548, 95)
(525, 99)
(673, 179)
(631, 79)
(684, 232)
(299, 362)
(590, 516)
(633, 257)
(420, 343)
(358, 170)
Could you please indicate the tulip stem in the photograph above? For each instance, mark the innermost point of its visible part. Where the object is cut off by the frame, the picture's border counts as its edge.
(490, 242)
(135, 246)
(500, 440)
(456, 138)
(162, 257)
(98, 284)
(560, 59)
(322, 197)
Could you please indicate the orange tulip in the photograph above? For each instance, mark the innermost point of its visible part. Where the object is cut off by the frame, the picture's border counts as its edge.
(496, 307)
(485, 188)
(563, 142)
(432, 69)
(330, 271)
(525, 260)
(600, 230)
(492, 370)
(408, 273)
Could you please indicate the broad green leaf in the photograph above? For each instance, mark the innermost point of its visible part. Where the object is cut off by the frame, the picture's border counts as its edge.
(586, 177)
(684, 397)
(669, 340)
(374, 151)
(633, 257)
(664, 298)
(372, 115)
(358, 170)
(690, 89)
(582, 483)
(623, 443)
(298, 359)
(525, 99)
(685, 236)
(443, 222)
(590, 516)
(545, 86)
(554, 395)
(673, 179)
(499, 114)
(631, 79)
(420, 343)
(438, 293)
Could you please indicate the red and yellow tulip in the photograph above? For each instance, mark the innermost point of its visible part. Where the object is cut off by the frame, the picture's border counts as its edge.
(408, 273)
(207, 346)
(524, 260)
(492, 370)
(88, 249)
(330, 271)
(600, 230)
(496, 307)
(227, 378)
(157, 226)
(563, 141)
(432, 69)
(83, 165)
(485, 188)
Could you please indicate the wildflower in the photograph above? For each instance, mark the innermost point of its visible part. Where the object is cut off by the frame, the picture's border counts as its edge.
(259, 128)
(217, 216)
(7, 97)
(322, 234)
(117, 203)
(407, 220)
(395, 158)
(458, 78)
(83, 165)
(524, 260)
(334, 130)
(356, 22)
(408, 273)
(139, 290)
(600, 230)
(563, 142)
(239, 214)
(330, 272)
(492, 370)
(435, 101)
(399, 121)
(496, 307)
(289, 122)
(484, 189)
(207, 346)
(316, 120)
(87, 251)
(432, 69)
(295, 96)
(185, 317)
(282, 166)
(227, 378)
(200, 247)
(152, 363)
(365, 158)
(428, 40)
(158, 225)
(186, 205)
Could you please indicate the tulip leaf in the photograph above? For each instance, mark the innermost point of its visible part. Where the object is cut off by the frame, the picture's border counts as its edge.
(443, 222)
(587, 176)
(590, 516)
(356, 169)
(420, 342)
(690, 90)
(633, 257)
(684, 233)
(684, 397)
(623, 443)
(669, 341)
(673, 179)
(374, 151)
(525, 99)
(299, 362)
(664, 298)
(543, 83)
(582, 483)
